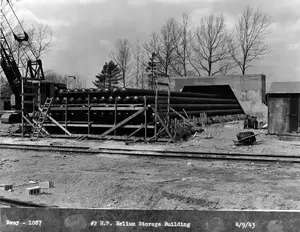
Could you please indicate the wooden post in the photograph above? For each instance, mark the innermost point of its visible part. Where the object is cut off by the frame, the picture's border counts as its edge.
(66, 113)
(145, 115)
(39, 94)
(169, 100)
(116, 111)
(22, 106)
(155, 116)
(89, 114)
(166, 128)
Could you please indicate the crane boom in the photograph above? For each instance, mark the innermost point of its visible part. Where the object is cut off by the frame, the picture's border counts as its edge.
(10, 69)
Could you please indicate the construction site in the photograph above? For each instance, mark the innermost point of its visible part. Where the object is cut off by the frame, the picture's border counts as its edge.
(196, 142)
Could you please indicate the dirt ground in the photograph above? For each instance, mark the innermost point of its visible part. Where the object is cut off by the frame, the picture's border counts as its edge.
(120, 181)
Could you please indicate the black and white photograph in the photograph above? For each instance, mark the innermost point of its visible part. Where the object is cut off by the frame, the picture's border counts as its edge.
(144, 109)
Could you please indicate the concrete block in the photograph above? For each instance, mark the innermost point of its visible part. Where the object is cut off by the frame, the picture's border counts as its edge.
(34, 190)
(248, 89)
(6, 187)
(46, 184)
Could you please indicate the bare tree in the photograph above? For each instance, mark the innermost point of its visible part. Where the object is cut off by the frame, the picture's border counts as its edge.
(248, 44)
(210, 45)
(167, 38)
(122, 56)
(162, 44)
(53, 76)
(182, 43)
(39, 34)
(38, 44)
(40, 38)
(153, 45)
(75, 81)
(140, 64)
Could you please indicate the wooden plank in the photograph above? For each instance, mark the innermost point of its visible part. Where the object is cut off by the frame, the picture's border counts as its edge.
(155, 111)
(55, 122)
(27, 120)
(153, 137)
(298, 114)
(66, 114)
(122, 123)
(31, 79)
(89, 114)
(184, 119)
(28, 94)
(116, 111)
(32, 125)
(293, 114)
(28, 102)
(137, 130)
(145, 118)
(186, 114)
(39, 95)
(43, 129)
(22, 106)
(166, 129)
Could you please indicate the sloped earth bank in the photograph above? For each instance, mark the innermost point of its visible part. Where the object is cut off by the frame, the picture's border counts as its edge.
(110, 181)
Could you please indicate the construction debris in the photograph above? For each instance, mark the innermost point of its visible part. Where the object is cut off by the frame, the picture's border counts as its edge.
(246, 138)
(34, 190)
(46, 184)
(6, 187)
(184, 128)
(251, 122)
(265, 126)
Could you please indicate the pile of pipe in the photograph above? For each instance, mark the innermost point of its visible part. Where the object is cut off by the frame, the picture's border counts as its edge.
(182, 102)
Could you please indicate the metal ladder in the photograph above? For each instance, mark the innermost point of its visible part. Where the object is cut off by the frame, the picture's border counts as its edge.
(41, 118)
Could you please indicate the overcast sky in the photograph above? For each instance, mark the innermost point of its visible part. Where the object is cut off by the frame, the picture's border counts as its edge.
(84, 31)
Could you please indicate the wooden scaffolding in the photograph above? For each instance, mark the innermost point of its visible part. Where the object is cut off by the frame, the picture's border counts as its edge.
(31, 93)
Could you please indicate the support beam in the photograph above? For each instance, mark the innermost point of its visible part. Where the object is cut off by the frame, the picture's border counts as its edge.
(122, 123)
(32, 125)
(184, 119)
(166, 129)
(158, 133)
(116, 112)
(43, 129)
(89, 114)
(66, 114)
(28, 121)
(55, 122)
(137, 130)
(22, 100)
(145, 118)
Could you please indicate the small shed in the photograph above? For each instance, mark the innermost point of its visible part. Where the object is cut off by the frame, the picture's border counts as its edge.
(283, 101)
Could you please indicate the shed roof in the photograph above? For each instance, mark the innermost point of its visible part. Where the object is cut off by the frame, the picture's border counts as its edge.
(285, 87)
